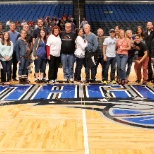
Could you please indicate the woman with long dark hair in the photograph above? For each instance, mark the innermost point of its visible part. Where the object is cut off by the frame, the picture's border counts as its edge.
(6, 51)
(39, 53)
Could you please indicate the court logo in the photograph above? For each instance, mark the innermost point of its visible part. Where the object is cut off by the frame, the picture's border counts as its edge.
(131, 105)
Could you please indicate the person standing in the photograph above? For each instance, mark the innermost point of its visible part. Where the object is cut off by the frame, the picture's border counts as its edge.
(53, 53)
(81, 44)
(122, 46)
(142, 60)
(6, 51)
(148, 37)
(130, 54)
(67, 52)
(99, 53)
(39, 53)
(84, 21)
(109, 52)
(13, 38)
(22, 49)
(90, 49)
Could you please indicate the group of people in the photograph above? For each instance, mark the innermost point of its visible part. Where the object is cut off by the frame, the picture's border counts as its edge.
(120, 49)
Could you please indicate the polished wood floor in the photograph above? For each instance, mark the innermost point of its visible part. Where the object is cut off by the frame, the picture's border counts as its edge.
(58, 129)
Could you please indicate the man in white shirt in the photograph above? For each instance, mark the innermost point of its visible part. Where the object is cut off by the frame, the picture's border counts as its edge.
(83, 22)
(109, 53)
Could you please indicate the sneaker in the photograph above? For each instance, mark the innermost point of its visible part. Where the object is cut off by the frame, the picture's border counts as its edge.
(65, 80)
(51, 81)
(37, 81)
(44, 80)
(71, 80)
(144, 83)
(138, 81)
(104, 82)
(113, 82)
(15, 79)
(86, 81)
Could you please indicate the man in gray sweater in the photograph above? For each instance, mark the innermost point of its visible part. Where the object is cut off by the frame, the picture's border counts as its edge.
(92, 47)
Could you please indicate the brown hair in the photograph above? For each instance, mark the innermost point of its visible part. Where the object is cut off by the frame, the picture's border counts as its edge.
(53, 28)
(8, 41)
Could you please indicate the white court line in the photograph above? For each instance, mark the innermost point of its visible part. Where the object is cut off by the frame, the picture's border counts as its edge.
(85, 133)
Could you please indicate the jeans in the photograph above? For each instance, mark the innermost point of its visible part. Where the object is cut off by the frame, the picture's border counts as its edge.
(79, 63)
(40, 65)
(6, 70)
(68, 65)
(53, 67)
(110, 61)
(23, 66)
(138, 67)
(129, 65)
(121, 64)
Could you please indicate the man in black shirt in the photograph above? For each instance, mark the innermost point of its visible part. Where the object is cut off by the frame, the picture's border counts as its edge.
(148, 37)
(142, 59)
(67, 52)
(36, 31)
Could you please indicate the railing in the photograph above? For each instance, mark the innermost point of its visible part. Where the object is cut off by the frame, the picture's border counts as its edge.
(36, 2)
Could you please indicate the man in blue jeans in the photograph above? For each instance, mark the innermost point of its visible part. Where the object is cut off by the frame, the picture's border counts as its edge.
(109, 53)
(67, 52)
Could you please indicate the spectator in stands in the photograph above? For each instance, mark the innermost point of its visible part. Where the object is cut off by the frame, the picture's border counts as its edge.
(116, 28)
(62, 25)
(39, 52)
(67, 52)
(130, 54)
(36, 31)
(8, 22)
(18, 23)
(99, 53)
(83, 22)
(90, 50)
(109, 52)
(53, 53)
(1, 28)
(139, 31)
(142, 60)
(23, 22)
(122, 46)
(13, 38)
(81, 44)
(1, 36)
(6, 51)
(31, 23)
(148, 37)
(22, 49)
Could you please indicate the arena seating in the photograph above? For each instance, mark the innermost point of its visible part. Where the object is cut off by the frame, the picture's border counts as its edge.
(29, 12)
(125, 15)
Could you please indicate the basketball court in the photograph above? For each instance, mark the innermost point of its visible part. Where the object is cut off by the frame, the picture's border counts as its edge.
(77, 118)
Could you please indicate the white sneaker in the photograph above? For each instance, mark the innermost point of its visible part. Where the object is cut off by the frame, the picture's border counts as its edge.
(65, 80)
(71, 79)
(51, 81)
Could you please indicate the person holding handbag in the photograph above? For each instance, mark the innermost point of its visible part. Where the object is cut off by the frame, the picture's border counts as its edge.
(79, 53)
(39, 53)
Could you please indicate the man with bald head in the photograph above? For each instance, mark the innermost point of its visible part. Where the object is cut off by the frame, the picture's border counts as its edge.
(148, 37)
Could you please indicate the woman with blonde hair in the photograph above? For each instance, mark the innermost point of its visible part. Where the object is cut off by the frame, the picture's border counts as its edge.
(122, 47)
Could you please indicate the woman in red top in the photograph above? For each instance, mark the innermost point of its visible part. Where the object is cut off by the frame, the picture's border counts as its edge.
(122, 46)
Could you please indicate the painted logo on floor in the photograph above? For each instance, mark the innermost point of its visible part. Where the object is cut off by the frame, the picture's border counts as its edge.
(130, 104)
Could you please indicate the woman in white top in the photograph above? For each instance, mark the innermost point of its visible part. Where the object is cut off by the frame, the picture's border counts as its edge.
(53, 53)
(6, 51)
(81, 44)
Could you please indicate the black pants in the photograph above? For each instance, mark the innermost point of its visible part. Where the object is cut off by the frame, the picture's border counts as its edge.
(53, 67)
(14, 60)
